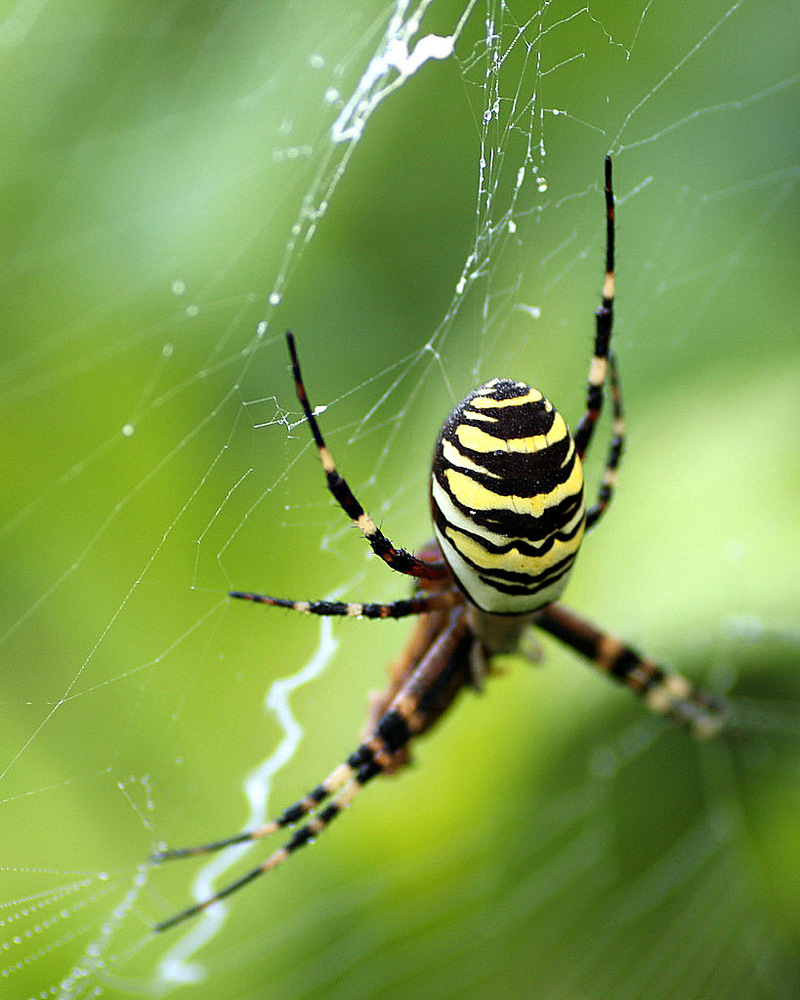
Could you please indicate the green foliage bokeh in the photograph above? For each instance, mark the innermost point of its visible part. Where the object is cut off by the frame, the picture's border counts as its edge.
(156, 158)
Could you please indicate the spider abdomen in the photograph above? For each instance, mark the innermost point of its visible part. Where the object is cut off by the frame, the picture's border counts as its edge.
(507, 497)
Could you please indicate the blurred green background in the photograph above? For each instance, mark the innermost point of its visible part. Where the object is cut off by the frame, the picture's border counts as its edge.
(551, 840)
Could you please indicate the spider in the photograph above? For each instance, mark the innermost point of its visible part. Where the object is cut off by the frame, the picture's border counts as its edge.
(509, 516)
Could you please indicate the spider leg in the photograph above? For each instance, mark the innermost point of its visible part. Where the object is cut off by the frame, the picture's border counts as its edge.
(604, 318)
(397, 559)
(662, 690)
(606, 492)
(427, 629)
(426, 634)
(432, 683)
(418, 605)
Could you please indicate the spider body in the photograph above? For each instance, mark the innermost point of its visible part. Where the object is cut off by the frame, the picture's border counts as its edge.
(507, 498)
(508, 509)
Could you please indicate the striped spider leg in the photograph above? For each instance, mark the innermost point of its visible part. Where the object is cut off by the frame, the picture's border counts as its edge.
(507, 501)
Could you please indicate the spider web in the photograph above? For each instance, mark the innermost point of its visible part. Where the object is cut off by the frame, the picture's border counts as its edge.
(414, 189)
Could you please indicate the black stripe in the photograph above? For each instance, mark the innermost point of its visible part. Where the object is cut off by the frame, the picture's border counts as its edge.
(513, 525)
(614, 452)
(522, 583)
(360, 757)
(292, 814)
(339, 488)
(628, 662)
(367, 772)
(329, 813)
(502, 388)
(303, 835)
(516, 421)
(524, 474)
(583, 640)
(393, 730)
(511, 544)
(624, 663)
(519, 421)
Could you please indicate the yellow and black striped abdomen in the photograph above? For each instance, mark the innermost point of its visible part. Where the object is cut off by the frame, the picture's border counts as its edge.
(507, 497)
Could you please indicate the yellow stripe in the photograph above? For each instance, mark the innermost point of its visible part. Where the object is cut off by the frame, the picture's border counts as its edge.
(670, 692)
(488, 401)
(513, 561)
(476, 497)
(327, 460)
(570, 452)
(272, 861)
(347, 794)
(453, 457)
(478, 440)
(366, 525)
(475, 415)
(337, 778)
(597, 370)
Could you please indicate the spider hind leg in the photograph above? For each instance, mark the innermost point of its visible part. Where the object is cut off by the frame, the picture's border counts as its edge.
(662, 690)
(420, 700)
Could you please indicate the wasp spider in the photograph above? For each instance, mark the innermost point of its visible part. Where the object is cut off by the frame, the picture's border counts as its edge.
(509, 516)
